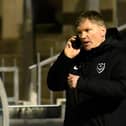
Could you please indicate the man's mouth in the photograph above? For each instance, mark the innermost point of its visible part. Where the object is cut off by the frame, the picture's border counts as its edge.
(86, 43)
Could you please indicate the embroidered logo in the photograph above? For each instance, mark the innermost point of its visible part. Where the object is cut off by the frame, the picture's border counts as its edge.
(75, 68)
(100, 67)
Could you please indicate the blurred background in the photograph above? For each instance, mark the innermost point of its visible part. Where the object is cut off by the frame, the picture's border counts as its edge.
(32, 33)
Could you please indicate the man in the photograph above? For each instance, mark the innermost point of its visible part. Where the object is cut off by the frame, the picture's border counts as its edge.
(94, 75)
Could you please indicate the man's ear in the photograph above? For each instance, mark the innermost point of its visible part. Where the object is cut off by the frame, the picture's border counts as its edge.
(103, 30)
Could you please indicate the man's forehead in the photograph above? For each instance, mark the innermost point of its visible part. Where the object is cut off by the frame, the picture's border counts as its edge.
(86, 24)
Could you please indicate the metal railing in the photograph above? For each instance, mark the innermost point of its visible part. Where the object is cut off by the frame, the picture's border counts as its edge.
(14, 70)
(122, 27)
(4, 102)
(38, 67)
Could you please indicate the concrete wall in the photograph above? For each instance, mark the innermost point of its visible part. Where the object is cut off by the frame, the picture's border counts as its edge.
(11, 18)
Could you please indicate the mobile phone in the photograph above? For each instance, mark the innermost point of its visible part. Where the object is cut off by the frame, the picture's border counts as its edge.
(77, 43)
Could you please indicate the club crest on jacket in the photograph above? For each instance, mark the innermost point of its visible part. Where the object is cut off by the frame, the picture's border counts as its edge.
(100, 67)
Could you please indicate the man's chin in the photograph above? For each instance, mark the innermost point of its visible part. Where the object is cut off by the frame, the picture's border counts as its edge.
(87, 48)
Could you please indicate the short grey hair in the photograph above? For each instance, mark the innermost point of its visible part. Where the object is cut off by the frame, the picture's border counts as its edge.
(92, 15)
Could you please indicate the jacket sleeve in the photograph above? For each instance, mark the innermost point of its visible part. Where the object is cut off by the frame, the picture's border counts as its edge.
(113, 87)
(57, 74)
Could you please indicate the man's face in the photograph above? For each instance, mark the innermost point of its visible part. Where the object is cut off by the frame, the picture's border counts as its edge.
(91, 34)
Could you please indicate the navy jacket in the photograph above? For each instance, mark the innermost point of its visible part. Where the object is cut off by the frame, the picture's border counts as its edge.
(100, 96)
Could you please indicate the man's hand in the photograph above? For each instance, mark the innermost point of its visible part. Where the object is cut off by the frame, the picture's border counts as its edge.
(72, 80)
(69, 51)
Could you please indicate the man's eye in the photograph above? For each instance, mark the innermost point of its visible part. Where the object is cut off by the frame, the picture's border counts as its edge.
(87, 30)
